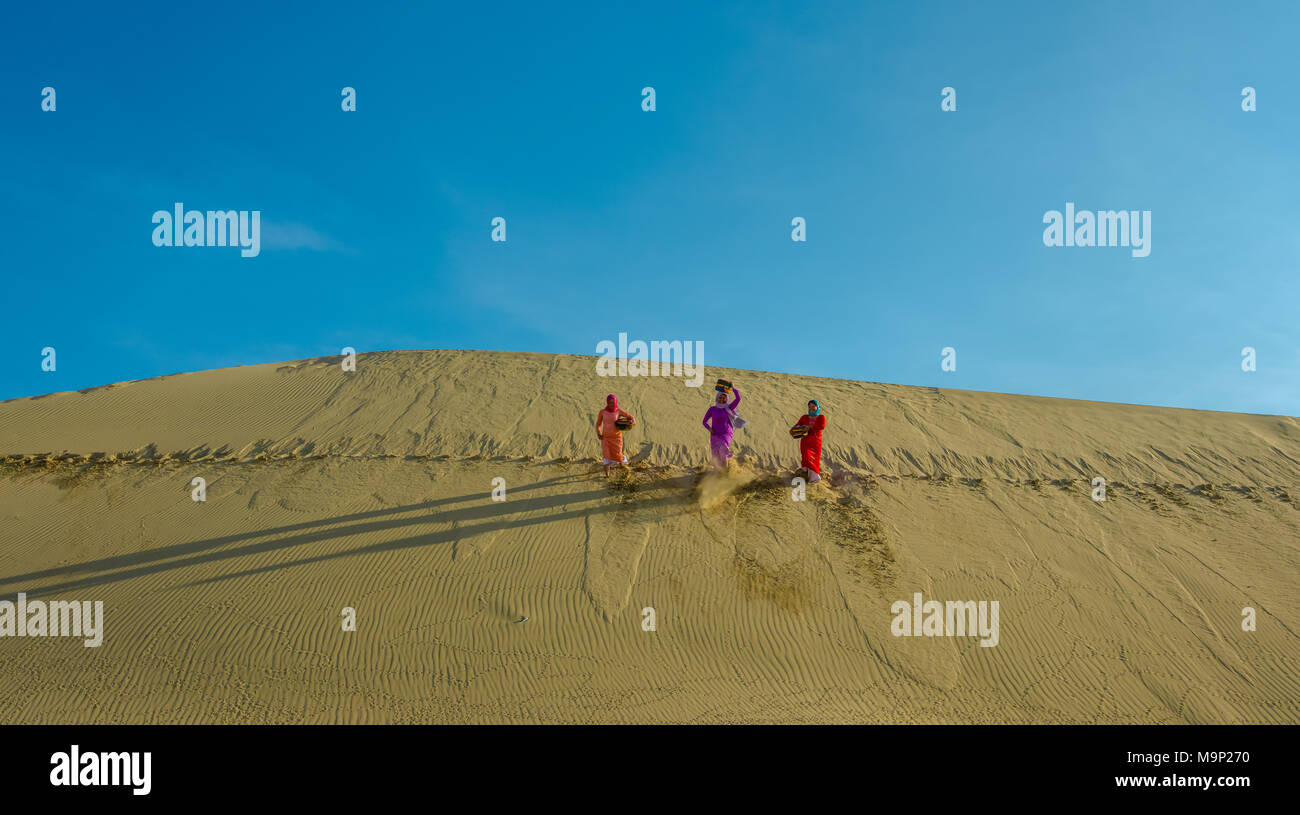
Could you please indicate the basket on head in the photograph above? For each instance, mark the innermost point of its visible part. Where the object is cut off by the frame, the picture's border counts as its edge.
(723, 386)
(623, 423)
(799, 431)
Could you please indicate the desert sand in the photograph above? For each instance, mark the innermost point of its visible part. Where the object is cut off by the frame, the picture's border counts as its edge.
(371, 490)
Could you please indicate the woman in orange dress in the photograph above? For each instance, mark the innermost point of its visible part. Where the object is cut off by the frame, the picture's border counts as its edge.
(610, 435)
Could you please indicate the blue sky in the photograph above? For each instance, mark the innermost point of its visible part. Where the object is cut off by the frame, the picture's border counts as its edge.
(924, 227)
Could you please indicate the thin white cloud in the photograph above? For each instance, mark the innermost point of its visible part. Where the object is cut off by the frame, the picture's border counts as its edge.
(298, 236)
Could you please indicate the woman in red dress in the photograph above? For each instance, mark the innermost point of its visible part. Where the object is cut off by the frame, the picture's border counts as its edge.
(810, 446)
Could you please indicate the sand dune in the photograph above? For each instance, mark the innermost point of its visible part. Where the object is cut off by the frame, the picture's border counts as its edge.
(371, 490)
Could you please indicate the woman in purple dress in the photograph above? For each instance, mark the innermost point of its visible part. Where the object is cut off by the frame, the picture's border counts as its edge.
(718, 422)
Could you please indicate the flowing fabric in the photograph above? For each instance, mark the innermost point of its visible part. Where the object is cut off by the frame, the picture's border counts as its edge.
(720, 450)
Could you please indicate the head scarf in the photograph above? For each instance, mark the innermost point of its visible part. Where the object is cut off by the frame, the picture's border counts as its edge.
(720, 399)
(611, 402)
(817, 408)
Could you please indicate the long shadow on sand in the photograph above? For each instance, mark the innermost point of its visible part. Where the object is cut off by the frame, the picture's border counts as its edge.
(179, 549)
(493, 514)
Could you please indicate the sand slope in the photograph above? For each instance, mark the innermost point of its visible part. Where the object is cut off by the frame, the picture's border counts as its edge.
(370, 490)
